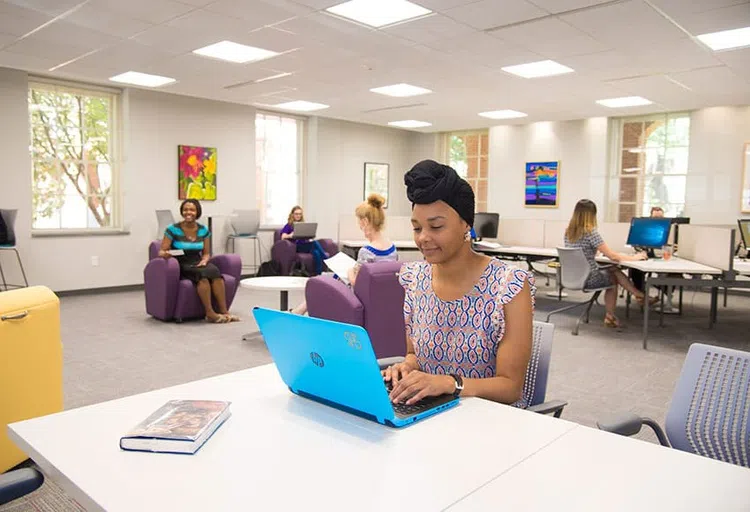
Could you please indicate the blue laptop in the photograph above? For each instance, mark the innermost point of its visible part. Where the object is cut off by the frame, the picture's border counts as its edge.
(334, 363)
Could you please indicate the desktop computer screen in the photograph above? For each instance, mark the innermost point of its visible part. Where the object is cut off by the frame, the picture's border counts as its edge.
(744, 225)
(649, 232)
(486, 224)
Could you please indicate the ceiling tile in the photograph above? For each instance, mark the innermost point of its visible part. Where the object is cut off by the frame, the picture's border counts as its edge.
(485, 14)
(25, 61)
(713, 81)
(737, 60)
(271, 39)
(657, 88)
(558, 6)
(715, 20)
(559, 39)
(676, 7)
(206, 22)
(6, 39)
(258, 14)
(18, 21)
(124, 56)
(150, 11)
(624, 24)
(485, 50)
(173, 39)
(98, 17)
(50, 7)
(62, 32)
(442, 5)
(430, 28)
(58, 52)
(319, 4)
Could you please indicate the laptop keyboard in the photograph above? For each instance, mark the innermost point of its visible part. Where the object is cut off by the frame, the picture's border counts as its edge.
(410, 410)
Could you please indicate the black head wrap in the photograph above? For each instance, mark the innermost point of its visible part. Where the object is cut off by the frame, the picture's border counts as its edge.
(429, 181)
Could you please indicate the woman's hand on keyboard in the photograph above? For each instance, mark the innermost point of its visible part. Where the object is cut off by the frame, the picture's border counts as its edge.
(396, 372)
(417, 385)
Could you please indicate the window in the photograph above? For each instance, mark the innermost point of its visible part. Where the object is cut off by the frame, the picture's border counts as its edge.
(278, 156)
(652, 165)
(73, 157)
(467, 154)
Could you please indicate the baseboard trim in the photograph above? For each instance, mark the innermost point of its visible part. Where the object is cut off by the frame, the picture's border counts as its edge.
(96, 291)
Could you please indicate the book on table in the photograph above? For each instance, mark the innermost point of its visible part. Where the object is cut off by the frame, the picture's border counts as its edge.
(179, 426)
(340, 264)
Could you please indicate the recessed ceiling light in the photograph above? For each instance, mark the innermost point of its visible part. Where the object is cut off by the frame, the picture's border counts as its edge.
(234, 52)
(727, 39)
(302, 106)
(143, 79)
(411, 123)
(627, 101)
(537, 69)
(503, 114)
(378, 13)
(401, 90)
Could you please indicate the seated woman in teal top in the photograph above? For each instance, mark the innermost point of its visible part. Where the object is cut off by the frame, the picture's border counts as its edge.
(193, 239)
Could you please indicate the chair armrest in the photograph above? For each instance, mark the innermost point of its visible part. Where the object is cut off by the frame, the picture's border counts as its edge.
(329, 246)
(554, 407)
(19, 482)
(385, 362)
(230, 264)
(162, 270)
(629, 424)
(284, 252)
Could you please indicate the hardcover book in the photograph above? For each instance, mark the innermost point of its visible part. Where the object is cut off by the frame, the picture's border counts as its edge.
(179, 426)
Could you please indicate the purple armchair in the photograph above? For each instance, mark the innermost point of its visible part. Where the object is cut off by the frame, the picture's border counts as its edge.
(284, 252)
(170, 298)
(376, 303)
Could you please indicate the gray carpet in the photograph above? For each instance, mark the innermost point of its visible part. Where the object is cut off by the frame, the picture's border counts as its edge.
(112, 349)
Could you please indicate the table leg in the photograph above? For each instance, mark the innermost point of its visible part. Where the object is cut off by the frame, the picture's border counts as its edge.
(726, 290)
(714, 302)
(645, 311)
(680, 299)
(284, 306)
(661, 308)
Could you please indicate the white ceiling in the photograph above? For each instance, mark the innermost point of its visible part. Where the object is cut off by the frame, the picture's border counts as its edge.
(617, 48)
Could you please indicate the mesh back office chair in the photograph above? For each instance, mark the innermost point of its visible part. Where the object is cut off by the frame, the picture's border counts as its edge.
(9, 218)
(574, 270)
(710, 410)
(537, 371)
(245, 225)
(165, 218)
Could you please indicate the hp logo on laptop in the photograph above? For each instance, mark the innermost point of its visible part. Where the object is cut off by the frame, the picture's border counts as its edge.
(352, 341)
(317, 359)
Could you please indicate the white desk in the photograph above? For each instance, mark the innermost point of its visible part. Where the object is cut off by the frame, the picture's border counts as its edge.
(742, 267)
(591, 470)
(673, 265)
(281, 452)
(519, 251)
(282, 284)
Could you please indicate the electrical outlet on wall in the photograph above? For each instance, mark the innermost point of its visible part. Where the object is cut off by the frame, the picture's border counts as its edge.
(95, 261)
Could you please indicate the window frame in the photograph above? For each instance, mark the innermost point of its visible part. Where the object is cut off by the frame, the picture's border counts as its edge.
(445, 153)
(617, 148)
(302, 123)
(115, 152)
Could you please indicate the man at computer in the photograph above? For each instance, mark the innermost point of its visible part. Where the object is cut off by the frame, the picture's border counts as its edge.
(638, 277)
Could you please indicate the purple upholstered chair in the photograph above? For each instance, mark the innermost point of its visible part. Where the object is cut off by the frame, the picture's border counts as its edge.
(376, 303)
(170, 298)
(284, 252)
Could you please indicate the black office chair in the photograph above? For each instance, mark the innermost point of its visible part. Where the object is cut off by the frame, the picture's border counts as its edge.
(19, 482)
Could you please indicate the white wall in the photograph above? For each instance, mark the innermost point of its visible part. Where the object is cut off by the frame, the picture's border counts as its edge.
(581, 148)
(336, 154)
(717, 138)
(154, 124)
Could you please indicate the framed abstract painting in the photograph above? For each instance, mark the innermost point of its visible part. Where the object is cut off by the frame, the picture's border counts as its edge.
(376, 180)
(196, 173)
(542, 186)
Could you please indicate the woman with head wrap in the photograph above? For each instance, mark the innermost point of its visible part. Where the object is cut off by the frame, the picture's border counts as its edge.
(468, 317)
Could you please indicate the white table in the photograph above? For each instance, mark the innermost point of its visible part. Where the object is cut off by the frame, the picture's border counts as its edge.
(591, 470)
(281, 452)
(742, 267)
(282, 284)
(401, 245)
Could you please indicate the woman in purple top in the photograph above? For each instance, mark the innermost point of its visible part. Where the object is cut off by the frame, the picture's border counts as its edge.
(468, 317)
(308, 246)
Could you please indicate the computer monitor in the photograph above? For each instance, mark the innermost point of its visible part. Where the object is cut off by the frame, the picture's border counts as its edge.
(485, 224)
(648, 232)
(744, 225)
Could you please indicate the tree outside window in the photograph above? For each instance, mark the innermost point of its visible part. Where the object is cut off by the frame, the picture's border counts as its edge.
(72, 157)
